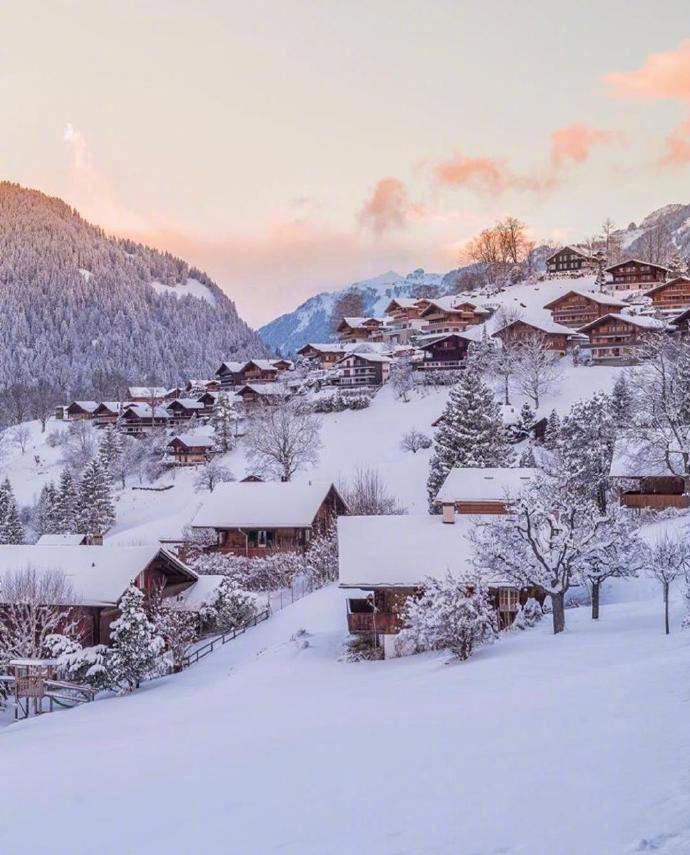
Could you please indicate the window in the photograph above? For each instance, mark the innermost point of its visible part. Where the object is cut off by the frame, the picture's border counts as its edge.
(508, 599)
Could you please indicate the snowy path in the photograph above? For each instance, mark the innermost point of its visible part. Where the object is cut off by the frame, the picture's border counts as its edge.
(270, 747)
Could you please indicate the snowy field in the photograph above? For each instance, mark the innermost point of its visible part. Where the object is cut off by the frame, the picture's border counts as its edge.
(575, 745)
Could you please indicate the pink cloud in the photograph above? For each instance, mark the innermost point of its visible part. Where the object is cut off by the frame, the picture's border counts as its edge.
(483, 174)
(575, 142)
(677, 146)
(388, 207)
(662, 75)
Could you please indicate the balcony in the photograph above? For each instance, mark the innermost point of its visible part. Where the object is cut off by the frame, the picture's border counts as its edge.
(361, 619)
(655, 501)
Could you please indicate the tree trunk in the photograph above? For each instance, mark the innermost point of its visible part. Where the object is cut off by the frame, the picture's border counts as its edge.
(666, 587)
(595, 600)
(507, 389)
(558, 610)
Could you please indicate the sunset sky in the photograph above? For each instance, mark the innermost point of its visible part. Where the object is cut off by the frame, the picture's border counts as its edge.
(289, 147)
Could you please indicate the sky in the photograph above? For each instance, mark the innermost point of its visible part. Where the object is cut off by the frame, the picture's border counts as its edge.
(295, 146)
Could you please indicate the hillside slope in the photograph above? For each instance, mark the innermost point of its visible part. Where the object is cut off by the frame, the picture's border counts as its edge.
(74, 302)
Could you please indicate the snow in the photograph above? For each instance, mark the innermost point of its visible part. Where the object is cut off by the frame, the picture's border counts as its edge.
(271, 504)
(60, 540)
(470, 484)
(537, 745)
(191, 288)
(636, 320)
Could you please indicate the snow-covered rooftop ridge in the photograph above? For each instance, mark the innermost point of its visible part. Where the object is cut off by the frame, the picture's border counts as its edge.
(143, 411)
(98, 575)
(366, 356)
(472, 484)
(636, 261)
(641, 321)
(187, 403)
(594, 296)
(264, 388)
(193, 439)
(572, 247)
(89, 406)
(403, 550)
(267, 504)
(232, 367)
(60, 540)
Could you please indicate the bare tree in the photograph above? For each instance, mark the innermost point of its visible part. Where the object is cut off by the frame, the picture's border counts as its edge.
(348, 305)
(35, 604)
(20, 436)
(212, 474)
(42, 400)
(81, 445)
(402, 378)
(668, 560)
(367, 495)
(284, 439)
(414, 441)
(538, 368)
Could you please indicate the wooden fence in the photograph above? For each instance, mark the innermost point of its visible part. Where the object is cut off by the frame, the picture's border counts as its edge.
(220, 640)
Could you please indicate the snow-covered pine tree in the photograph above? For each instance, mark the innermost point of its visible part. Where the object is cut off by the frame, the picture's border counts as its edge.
(67, 504)
(472, 432)
(600, 281)
(321, 559)
(135, 643)
(525, 420)
(553, 431)
(588, 434)
(46, 519)
(621, 401)
(96, 513)
(527, 458)
(228, 607)
(110, 447)
(676, 264)
(11, 529)
(223, 420)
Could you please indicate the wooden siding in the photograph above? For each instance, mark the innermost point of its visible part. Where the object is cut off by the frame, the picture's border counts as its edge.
(568, 261)
(633, 275)
(672, 295)
(576, 310)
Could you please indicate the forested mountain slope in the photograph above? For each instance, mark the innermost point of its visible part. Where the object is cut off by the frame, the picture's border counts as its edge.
(75, 303)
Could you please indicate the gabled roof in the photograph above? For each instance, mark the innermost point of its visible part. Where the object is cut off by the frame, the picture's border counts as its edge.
(109, 406)
(402, 550)
(367, 357)
(662, 285)
(98, 575)
(637, 261)
(61, 540)
(433, 338)
(87, 406)
(193, 440)
(262, 364)
(230, 368)
(453, 305)
(578, 250)
(542, 325)
(262, 389)
(594, 296)
(359, 323)
(640, 321)
(268, 504)
(324, 347)
(187, 403)
(472, 484)
(402, 303)
(143, 411)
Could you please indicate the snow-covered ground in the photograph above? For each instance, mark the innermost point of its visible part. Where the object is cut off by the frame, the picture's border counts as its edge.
(191, 288)
(575, 744)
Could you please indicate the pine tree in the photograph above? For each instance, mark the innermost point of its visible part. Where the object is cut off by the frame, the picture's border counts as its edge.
(600, 281)
(97, 513)
(110, 447)
(588, 434)
(135, 643)
(526, 419)
(621, 401)
(11, 529)
(553, 431)
(527, 458)
(676, 264)
(46, 510)
(67, 504)
(472, 432)
(223, 421)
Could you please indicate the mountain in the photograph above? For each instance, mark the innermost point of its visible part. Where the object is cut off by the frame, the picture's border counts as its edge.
(75, 304)
(654, 239)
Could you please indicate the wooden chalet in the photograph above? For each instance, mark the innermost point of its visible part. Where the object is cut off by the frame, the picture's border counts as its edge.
(444, 352)
(644, 480)
(403, 320)
(98, 576)
(208, 401)
(230, 375)
(138, 419)
(671, 296)
(260, 371)
(253, 396)
(680, 324)
(323, 355)
(360, 329)
(363, 369)
(636, 275)
(472, 490)
(257, 518)
(558, 338)
(189, 449)
(574, 309)
(569, 260)
(449, 314)
(107, 413)
(616, 338)
(183, 409)
(80, 411)
(385, 560)
(145, 394)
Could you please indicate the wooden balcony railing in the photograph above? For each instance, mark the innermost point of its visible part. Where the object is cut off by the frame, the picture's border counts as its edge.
(386, 622)
(655, 501)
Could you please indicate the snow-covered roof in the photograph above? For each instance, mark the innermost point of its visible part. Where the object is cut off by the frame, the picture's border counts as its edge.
(636, 261)
(269, 504)
(187, 403)
(324, 347)
(98, 575)
(60, 540)
(143, 411)
(111, 406)
(367, 357)
(194, 440)
(89, 406)
(358, 323)
(662, 285)
(594, 296)
(232, 367)
(263, 388)
(263, 364)
(146, 391)
(541, 324)
(403, 303)
(402, 550)
(641, 321)
(571, 248)
(472, 484)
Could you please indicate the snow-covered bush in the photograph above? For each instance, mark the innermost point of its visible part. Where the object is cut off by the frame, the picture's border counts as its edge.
(320, 562)
(56, 438)
(528, 615)
(361, 648)
(212, 474)
(337, 403)
(450, 614)
(228, 608)
(414, 441)
(367, 495)
(178, 628)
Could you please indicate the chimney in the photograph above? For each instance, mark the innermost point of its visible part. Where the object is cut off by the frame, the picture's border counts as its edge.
(449, 513)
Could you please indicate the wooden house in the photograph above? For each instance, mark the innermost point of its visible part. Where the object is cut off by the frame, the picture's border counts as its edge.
(403, 320)
(138, 419)
(616, 338)
(259, 371)
(472, 490)
(636, 275)
(363, 369)
(80, 411)
(574, 309)
(189, 449)
(98, 576)
(230, 375)
(107, 413)
(323, 355)
(183, 409)
(644, 480)
(680, 324)
(558, 338)
(253, 396)
(208, 402)
(360, 329)
(145, 394)
(671, 296)
(255, 519)
(569, 260)
(444, 352)
(451, 314)
(385, 560)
